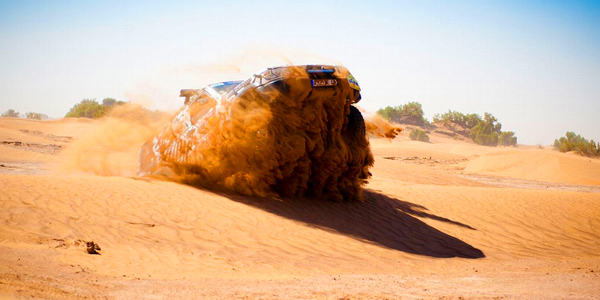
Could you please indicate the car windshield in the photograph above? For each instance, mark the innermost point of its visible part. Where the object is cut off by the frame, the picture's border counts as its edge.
(224, 87)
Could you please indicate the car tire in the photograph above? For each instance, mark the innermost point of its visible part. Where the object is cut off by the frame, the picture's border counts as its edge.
(356, 123)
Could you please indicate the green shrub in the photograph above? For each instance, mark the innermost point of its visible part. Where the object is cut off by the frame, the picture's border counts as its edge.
(483, 131)
(411, 110)
(89, 108)
(507, 138)
(110, 102)
(577, 143)
(487, 131)
(419, 135)
(482, 135)
(36, 116)
(468, 120)
(11, 113)
(389, 113)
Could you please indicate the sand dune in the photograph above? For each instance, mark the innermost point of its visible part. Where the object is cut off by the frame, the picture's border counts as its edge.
(74, 127)
(24, 140)
(543, 165)
(424, 231)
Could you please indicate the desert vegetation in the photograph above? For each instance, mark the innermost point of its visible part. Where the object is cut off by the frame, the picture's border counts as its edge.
(507, 138)
(11, 113)
(577, 143)
(419, 135)
(484, 130)
(90, 108)
(410, 113)
(36, 116)
(464, 120)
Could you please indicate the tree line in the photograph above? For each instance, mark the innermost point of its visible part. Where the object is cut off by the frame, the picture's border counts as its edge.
(90, 108)
(577, 143)
(484, 130)
(87, 108)
(11, 113)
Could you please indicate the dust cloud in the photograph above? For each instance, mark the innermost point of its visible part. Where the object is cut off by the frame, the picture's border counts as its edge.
(380, 127)
(112, 148)
(293, 143)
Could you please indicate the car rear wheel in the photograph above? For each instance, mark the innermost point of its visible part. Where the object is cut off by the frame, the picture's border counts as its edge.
(356, 123)
(360, 158)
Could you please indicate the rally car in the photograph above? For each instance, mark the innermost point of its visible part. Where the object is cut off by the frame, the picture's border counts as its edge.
(291, 130)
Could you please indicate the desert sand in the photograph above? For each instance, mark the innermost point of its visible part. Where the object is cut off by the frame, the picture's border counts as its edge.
(441, 220)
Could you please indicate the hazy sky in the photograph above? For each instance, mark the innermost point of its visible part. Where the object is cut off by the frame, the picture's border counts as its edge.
(535, 65)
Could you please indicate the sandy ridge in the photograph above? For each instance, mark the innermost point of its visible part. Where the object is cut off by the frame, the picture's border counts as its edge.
(427, 230)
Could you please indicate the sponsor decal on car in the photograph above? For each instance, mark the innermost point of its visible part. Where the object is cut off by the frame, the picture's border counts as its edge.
(353, 83)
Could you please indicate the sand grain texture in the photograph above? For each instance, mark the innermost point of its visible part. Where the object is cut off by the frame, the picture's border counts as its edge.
(427, 230)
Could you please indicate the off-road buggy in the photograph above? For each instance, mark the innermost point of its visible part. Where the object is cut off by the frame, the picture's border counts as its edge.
(289, 130)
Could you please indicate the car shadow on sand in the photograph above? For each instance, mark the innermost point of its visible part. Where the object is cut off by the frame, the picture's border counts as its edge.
(380, 220)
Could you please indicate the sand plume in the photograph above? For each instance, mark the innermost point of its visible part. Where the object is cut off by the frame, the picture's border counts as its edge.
(112, 147)
(381, 127)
